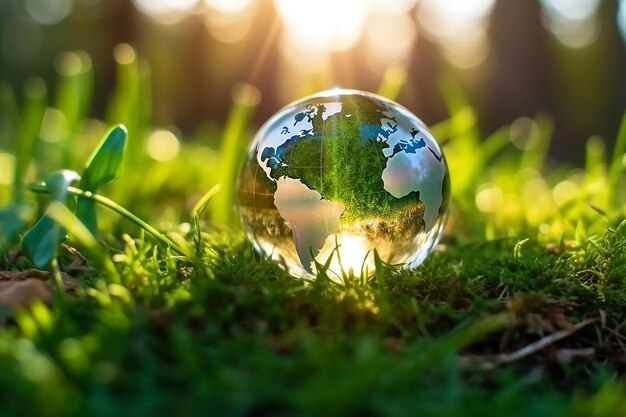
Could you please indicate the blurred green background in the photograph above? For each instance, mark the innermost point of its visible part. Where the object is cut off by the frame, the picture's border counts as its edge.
(510, 58)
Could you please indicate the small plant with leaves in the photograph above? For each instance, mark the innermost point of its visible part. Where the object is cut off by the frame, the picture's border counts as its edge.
(78, 204)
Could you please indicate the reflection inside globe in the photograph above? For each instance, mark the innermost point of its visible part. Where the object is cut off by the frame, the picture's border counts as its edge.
(335, 176)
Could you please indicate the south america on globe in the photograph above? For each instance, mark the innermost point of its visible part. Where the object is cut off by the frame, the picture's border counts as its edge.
(339, 174)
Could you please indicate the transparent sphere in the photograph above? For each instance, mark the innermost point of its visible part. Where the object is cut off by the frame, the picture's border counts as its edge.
(339, 174)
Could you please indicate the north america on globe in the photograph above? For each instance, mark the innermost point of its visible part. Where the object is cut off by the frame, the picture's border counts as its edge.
(349, 165)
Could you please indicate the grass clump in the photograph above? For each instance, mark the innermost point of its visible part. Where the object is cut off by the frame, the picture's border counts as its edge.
(519, 312)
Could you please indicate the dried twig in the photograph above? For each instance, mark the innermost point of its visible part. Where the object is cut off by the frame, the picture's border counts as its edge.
(564, 356)
(618, 337)
(491, 361)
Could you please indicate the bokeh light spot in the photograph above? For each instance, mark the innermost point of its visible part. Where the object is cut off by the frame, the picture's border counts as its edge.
(163, 145)
(72, 63)
(49, 12)
(124, 54)
(489, 198)
(392, 7)
(390, 40)
(571, 9)
(466, 56)
(246, 94)
(228, 28)
(36, 367)
(572, 22)
(166, 11)
(452, 18)
(564, 192)
(54, 126)
(460, 27)
(229, 6)
(579, 34)
(524, 133)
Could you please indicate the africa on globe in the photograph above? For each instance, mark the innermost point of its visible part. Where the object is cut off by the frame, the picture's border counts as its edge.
(339, 174)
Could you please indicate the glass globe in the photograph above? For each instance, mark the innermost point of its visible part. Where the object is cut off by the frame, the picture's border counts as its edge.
(339, 174)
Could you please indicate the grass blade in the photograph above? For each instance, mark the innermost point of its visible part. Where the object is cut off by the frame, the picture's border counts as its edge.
(246, 98)
(200, 207)
(616, 166)
(131, 105)
(12, 221)
(393, 80)
(30, 125)
(541, 134)
(8, 115)
(73, 98)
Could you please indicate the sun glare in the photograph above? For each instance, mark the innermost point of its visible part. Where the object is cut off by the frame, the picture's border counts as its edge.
(327, 25)
(353, 255)
(311, 31)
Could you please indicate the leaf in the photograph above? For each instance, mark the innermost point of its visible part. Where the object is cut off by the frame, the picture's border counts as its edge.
(86, 212)
(41, 241)
(21, 288)
(12, 220)
(105, 163)
(64, 217)
(24, 293)
(103, 166)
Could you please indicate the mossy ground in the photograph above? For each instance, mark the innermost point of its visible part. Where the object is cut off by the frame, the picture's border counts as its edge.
(231, 334)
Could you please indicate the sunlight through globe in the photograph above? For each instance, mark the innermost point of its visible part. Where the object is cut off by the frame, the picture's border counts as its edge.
(334, 177)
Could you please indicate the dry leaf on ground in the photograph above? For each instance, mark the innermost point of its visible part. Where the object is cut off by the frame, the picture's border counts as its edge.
(21, 288)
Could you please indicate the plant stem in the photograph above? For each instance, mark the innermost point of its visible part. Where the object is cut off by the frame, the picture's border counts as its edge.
(41, 188)
(56, 275)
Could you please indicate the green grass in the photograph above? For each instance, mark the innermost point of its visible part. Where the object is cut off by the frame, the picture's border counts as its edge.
(175, 313)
